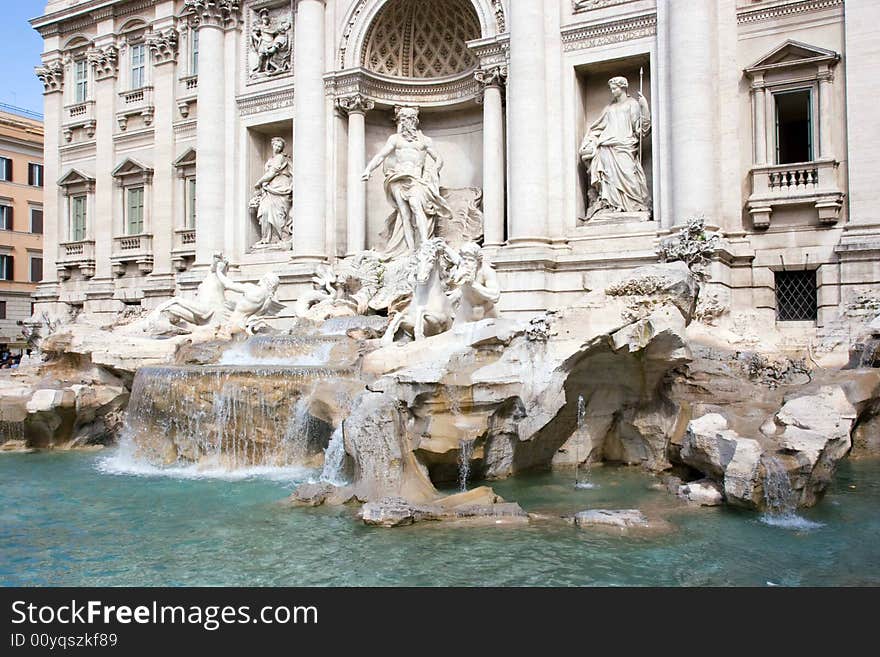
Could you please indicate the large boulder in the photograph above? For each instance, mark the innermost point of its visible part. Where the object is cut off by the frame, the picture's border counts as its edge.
(813, 434)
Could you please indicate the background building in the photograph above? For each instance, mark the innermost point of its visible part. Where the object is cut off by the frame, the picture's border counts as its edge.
(160, 116)
(21, 219)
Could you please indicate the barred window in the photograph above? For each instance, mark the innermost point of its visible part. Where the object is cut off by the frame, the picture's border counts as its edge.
(796, 296)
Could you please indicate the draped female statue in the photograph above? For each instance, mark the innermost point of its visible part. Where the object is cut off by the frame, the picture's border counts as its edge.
(610, 152)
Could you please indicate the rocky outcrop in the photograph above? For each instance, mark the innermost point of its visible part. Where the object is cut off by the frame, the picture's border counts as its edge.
(704, 492)
(813, 434)
(40, 412)
(619, 519)
(477, 505)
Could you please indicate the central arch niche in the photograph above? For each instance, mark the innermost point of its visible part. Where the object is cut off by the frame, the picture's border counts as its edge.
(422, 40)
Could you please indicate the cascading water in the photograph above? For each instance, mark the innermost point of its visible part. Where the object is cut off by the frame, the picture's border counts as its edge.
(779, 498)
(465, 454)
(581, 482)
(225, 418)
(334, 459)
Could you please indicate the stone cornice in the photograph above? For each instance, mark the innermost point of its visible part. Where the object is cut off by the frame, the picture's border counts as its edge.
(105, 62)
(265, 101)
(591, 35)
(163, 46)
(783, 9)
(80, 16)
(578, 6)
(399, 91)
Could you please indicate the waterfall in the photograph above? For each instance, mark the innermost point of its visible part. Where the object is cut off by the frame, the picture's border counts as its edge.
(334, 459)
(225, 418)
(780, 499)
(465, 454)
(582, 484)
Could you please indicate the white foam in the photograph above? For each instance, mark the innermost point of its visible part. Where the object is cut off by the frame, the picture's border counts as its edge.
(120, 464)
(585, 485)
(790, 521)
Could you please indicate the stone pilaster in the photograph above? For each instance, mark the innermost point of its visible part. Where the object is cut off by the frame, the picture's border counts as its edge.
(692, 132)
(51, 75)
(163, 48)
(356, 107)
(527, 124)
(492, 81)
(211, 18)
(310, 133)
(105, 222)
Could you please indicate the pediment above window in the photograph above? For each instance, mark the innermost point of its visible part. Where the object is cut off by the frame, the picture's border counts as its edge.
(186, 159)
(75, 177)
(131, 171)
(793, 54)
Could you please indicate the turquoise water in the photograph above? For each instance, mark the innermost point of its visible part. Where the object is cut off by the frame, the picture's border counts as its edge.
(66, 520)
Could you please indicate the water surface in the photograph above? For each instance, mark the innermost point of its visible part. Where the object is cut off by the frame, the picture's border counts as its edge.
(70, 519)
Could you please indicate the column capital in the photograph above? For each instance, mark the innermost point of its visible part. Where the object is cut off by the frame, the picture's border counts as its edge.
(214, 13)
(105, 61)
(491, 76)
(51, 74)
(354, 104)
(163, 46)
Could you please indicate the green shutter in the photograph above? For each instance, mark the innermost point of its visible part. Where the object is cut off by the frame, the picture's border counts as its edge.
(191, 203)
(136, 211)
(78, 229)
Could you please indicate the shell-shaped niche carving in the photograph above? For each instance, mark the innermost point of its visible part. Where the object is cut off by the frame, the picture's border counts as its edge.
(418, 39)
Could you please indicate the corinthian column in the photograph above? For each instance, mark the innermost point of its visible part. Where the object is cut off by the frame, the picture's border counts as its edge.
(526, 120)
(693, 135)
(492, 81)
(51, 74)
(309, 128)
(356, 107)
(163, 47)
(106, 224)
(210, 18)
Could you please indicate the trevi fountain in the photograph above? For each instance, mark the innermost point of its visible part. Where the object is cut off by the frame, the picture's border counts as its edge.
(391, 425)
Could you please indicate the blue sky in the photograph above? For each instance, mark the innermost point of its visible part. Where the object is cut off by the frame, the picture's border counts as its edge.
(20, 47)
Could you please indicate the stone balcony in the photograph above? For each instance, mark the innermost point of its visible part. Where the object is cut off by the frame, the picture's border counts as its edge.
(137, 102)
(187, 92)
(79, 115)
(184, 247)
(806, 183)
(132, 248)
(73, 255)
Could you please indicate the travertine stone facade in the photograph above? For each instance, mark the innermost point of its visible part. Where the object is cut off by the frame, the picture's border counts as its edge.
(756, 114)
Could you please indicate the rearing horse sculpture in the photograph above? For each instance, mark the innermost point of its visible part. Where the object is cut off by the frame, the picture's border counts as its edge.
(430, 312)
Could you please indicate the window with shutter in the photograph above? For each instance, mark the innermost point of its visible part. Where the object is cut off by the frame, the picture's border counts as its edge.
(135, 210)
(78, 218)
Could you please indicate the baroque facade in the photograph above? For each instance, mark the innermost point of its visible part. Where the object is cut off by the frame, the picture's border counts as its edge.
(163, 120)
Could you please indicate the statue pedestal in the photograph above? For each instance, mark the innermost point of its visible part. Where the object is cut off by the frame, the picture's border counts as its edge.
(616, 218)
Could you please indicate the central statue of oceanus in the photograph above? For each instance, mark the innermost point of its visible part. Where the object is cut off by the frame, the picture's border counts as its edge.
(411, 185)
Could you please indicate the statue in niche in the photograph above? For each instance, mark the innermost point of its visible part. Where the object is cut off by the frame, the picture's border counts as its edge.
(270, 42)
(611, 151)
(274, 198)
(412, 187)
(476, 285)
